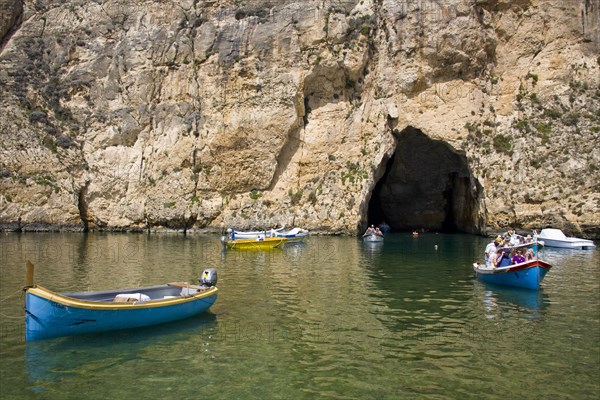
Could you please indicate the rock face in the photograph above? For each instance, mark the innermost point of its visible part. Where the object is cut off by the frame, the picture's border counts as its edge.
(11, 14)
(461, 115)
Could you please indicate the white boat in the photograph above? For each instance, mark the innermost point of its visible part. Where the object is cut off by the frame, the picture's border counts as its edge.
(372, 237)
(232, 234)
(555, 238)
(293, 235)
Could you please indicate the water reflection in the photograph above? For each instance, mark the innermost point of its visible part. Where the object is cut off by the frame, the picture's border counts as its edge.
(373, 248)
(55, 359)
(557, 256)
(286, 320)
(514, 303)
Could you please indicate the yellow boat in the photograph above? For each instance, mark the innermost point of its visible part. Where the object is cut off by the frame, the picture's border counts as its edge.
(255, 244)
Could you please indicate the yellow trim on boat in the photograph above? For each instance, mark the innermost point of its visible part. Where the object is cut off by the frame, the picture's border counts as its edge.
(105, 305)
(266, 243)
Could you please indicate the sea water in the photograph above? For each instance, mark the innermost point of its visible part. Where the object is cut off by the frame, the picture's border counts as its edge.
(332, 317)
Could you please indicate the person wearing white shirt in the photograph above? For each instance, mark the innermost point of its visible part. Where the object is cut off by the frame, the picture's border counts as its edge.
(490, 252)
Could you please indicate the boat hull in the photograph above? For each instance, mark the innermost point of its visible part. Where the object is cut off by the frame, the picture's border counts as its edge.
(528, 275)
(294, 238)
(254, 234)
(294, 235)
(373, 238)
(50, 314)
(255, 244)
(556, 238)
(574, 244)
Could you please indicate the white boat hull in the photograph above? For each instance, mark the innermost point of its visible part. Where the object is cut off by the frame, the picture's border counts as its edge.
(373, 238)
(293, 235)
(555, 238)
(570, 243)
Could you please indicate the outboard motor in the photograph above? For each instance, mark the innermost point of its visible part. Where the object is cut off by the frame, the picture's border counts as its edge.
(209, 277)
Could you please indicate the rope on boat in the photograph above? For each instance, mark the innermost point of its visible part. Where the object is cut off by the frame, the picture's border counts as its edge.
(11, 295)
(8, 297)
(8, 316)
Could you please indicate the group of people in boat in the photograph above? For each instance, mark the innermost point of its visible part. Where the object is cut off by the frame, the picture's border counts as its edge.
(373, 230)
(502, 251)
(385, 228)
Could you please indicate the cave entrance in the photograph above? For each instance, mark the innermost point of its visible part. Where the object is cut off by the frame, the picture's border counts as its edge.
(426, 185)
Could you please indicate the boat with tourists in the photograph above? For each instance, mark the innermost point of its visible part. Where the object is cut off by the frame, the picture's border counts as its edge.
(372, 234)
(370, 238)
(513, 268)
(384, 227)
(528, 274)
(50, 314)
(556, 238)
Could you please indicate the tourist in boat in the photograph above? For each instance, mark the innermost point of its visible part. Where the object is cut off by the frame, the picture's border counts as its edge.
(370, 231)
(529, 255)
(384, 227)
(512, 237)
(378, 231)
(502, 257)
(490, 251)
(518, 258)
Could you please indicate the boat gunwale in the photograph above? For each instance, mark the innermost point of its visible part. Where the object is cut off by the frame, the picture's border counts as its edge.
(254, 240)
(266, 243)
(512, 268)
(64, 300)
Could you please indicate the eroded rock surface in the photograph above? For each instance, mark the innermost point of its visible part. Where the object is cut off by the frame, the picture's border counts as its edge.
(196, 114)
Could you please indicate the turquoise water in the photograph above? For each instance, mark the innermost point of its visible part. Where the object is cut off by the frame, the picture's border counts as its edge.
(332, 318)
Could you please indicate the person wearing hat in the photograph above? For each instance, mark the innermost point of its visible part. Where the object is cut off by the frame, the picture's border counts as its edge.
(490, 251)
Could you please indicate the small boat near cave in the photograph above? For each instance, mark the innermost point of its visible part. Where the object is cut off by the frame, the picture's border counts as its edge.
(50, 314)
(234, 234)
(372, 237)
(292, 235)
(528, 273)
(556, 238)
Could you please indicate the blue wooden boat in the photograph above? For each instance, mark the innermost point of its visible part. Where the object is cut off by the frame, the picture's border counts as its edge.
(528, 274)
(50, 314)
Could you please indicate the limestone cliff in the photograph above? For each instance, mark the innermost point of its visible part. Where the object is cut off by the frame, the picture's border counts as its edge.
(459, 114)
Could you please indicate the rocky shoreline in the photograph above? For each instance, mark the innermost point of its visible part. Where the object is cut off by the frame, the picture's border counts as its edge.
(50, 228)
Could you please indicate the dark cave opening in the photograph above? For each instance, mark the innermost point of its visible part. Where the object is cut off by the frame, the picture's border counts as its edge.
(376, 213)
(426, 185)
